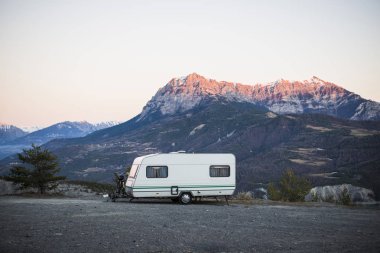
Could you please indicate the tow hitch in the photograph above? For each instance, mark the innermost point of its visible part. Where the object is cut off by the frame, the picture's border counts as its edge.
(120, 191)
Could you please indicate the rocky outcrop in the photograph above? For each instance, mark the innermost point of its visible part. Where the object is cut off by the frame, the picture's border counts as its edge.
(282, 96)
(7, 188)
(64, 189)
(335, 193)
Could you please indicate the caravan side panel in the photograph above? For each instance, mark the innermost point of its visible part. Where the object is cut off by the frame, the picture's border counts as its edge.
(185, 173)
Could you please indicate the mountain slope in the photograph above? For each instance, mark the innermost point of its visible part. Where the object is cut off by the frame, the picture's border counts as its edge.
(264, 143)
(309, 96)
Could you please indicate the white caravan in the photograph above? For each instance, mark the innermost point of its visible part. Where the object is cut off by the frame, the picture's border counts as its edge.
(182, 176)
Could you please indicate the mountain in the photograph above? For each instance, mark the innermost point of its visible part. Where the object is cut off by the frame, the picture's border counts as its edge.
(191, 116)
(30, 129)
(282, 96)
(9, 133)
(65, 129)
(105, 124)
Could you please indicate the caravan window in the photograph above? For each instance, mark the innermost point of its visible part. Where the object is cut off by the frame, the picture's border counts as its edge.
(157, 171)
(219, 171)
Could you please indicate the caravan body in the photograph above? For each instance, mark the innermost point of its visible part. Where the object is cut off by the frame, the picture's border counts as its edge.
(175, 174)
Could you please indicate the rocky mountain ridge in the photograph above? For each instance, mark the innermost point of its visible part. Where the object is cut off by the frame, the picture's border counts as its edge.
(282, 96)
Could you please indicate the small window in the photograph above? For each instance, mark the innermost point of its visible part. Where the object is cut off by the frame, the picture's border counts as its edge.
(219, 171)
(157, 171)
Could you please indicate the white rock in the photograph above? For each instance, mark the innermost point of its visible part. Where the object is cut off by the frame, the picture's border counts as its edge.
(334, 192)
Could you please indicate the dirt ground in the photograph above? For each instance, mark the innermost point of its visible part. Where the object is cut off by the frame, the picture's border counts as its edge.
(80, 225)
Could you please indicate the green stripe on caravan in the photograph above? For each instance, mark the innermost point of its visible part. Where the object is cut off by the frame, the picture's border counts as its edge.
(183, 186)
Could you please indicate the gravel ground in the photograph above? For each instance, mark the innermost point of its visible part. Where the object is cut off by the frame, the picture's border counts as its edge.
(79, 225)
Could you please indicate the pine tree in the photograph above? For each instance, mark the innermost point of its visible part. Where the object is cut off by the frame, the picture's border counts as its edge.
(40, 171)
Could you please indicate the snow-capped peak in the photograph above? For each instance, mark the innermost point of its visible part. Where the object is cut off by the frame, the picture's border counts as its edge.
(316, 80)
(105, 124)
(4, 126)
(281, 96)
(31, 129)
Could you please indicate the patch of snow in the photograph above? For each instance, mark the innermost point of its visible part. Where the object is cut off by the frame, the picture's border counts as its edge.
(196, 129)
(293, 106)
(4, 127)
(94, 169)
(30, 129)
(271, 115)
(367, 110)
(230, 134)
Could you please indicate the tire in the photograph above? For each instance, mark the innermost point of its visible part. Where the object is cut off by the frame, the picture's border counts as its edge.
(185, 198)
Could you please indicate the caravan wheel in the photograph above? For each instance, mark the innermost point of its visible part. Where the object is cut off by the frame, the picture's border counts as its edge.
(185, 198)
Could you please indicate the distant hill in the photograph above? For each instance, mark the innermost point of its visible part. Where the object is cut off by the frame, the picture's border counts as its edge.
(63, 130)
(67, 129)
(9, 133)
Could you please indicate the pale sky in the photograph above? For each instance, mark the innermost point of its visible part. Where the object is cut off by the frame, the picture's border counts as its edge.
(103, 60)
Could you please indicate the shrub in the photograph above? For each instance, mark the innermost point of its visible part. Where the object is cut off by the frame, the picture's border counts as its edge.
(344, 198)
(273, 193)
(314, 197)
(291, 188)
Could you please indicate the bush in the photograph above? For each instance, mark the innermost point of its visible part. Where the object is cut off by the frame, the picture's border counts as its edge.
(291, 188)
(273, 193)
(344, 198)
(314, 197)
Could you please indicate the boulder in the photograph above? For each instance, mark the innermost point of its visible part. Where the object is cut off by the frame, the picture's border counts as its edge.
(335, 193)
(260, 193)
